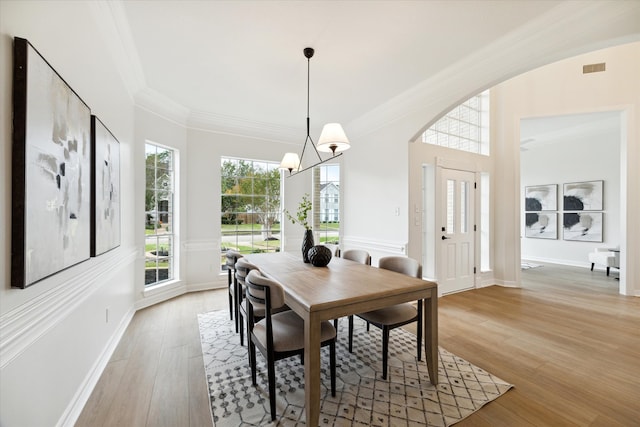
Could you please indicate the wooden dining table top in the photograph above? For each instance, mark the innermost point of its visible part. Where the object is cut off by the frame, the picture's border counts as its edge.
(339, 286)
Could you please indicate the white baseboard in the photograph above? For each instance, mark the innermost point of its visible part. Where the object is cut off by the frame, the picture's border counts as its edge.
(73, 411)
(156, 295)
(206, 286)
(558, 261)
(507, 283)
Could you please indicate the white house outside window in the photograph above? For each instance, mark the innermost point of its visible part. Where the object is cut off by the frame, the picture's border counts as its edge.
(327, 200)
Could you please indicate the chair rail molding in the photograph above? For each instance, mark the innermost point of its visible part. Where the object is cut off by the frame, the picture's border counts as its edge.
(201, 245)
(24, 325)
(392, 248)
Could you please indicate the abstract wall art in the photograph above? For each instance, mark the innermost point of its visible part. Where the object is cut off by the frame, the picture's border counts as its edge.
(541, 225)
(541, 198)
(51, 204)
(583, 196)
(582, 226)
(105, 182)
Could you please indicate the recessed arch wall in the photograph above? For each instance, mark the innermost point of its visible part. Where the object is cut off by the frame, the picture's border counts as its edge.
(559, 88)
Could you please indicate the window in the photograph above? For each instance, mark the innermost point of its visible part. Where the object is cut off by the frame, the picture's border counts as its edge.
(327, 202)
(466, 127)
(250, 206)
(159, 209)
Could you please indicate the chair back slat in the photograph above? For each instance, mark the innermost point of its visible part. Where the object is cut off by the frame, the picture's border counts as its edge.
(243, 267)
(232, 258)
(357, 255)
(404, 265)
(257, 286)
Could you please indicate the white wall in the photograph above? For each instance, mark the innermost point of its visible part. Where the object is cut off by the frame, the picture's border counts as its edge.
(202, 245)
(55, 333)
(586, 156)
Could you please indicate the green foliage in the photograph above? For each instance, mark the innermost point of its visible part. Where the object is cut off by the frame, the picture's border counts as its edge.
(158, 176)
(250, 187)
(302, 214)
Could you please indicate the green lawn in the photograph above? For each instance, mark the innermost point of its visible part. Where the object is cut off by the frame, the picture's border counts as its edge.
(335, 226)
(257, 228)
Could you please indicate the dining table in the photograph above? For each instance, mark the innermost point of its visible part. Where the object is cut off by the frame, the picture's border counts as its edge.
(343, 288)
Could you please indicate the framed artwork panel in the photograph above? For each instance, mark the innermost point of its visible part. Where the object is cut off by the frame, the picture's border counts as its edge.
(582, 226)
(541, 225)
(105, 182)
(541, 198)
(51, 206)
(583, 196)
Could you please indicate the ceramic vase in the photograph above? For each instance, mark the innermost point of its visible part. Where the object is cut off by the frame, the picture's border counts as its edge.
(307, 243)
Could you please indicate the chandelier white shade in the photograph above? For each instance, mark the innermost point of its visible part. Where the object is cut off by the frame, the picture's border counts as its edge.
(333, 139)
(290, 161)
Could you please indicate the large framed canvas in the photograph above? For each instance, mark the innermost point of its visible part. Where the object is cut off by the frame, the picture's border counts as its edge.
(541, 198)
(582, 226)
(105, 182)
(541, 225)
(51, 206)
(583, 196)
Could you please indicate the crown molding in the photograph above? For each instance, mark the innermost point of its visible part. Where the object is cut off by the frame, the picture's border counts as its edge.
(567, 30)
(112, 23)
(230, 125)
(161, 105)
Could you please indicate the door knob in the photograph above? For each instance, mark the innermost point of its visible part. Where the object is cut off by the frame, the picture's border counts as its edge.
(445, 237)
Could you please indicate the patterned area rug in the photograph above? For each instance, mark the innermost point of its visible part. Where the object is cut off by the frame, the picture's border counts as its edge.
(362, 397)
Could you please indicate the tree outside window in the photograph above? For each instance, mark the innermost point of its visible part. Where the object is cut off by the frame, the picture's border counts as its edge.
(159, 230)
(250, 206)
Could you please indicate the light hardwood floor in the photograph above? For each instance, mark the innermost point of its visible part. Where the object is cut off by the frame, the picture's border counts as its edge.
(567, 340)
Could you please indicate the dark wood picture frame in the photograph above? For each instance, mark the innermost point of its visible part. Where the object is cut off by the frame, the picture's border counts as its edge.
(51, 175)
(105, 185)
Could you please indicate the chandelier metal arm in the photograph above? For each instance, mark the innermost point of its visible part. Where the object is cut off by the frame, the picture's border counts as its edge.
(314, 165)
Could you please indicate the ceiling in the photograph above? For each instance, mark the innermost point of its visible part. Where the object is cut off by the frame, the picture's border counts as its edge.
(242, 61)
(536, 132)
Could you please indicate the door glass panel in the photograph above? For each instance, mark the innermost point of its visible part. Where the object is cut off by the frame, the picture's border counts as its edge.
(451, 206)
(464, 201)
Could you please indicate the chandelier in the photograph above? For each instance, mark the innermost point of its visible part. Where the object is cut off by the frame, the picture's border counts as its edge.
(332, 138)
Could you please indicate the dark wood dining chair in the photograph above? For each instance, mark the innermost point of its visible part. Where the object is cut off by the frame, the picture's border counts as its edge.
(394, 316)
(278, 335)
(243, 267)
(363, 257)
(232, 259)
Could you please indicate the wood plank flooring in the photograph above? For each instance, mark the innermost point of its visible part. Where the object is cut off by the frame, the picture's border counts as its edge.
(567, 340)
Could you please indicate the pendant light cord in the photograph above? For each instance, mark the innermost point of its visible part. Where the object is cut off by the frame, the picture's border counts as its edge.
(308, 53)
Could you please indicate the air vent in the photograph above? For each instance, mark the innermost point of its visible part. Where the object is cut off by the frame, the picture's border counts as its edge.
(593, 68)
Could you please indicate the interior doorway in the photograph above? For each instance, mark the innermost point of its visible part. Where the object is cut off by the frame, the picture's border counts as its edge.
(563, 153)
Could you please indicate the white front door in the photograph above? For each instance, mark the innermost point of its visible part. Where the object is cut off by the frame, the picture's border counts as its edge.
(455, 231)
